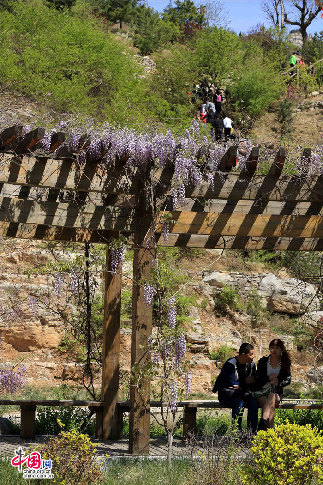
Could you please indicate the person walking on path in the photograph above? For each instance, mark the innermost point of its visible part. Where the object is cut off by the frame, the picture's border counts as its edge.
(218, 127)
(217, 98)
(203, 111)
(273, 374)
(227, 124)
(292, 60)
(232, 385)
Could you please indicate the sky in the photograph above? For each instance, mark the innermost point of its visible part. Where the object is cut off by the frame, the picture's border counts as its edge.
(242, 14)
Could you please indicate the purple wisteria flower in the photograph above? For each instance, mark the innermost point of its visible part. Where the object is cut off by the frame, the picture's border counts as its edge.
(165, 231)
(149, 293)
(13, 379)
(117, 258)
(171, 312)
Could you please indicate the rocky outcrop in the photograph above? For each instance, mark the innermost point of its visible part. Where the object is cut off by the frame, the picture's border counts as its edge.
(315, 375)
(291, 296)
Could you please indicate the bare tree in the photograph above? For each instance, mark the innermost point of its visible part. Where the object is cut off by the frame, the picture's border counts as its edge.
(272, 10)
(302, 15)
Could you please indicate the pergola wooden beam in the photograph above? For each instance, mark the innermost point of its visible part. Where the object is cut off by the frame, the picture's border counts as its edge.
(67, 234)
(93, 177)
(60, 196)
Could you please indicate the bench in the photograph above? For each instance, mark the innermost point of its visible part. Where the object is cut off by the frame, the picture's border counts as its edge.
(28, 412)
(190, 410)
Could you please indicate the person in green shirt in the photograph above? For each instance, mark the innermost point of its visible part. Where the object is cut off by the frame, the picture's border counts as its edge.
(292, 59)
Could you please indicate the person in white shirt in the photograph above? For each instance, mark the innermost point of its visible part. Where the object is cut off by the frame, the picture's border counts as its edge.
(227, 124)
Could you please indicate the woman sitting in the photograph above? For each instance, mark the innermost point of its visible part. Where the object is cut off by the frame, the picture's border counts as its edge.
(273, 374)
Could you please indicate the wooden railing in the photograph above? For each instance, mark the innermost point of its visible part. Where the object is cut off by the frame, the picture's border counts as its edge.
(28, 412)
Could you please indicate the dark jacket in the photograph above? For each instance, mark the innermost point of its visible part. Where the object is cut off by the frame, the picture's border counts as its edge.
(284, 377)
(229, 376)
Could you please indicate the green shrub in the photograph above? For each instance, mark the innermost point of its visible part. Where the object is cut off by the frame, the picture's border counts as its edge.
(48, 419)
(208, 425)
(254, 307)
(69, 60)
(288, 454)
(302, 417)
(73, 458)
(226, 298)
(222, 353)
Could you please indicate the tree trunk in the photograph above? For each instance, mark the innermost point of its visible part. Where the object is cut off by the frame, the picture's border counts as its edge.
(169, 447)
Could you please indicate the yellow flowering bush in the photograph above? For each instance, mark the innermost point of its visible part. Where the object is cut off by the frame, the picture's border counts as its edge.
(288, 454)
(73, 459)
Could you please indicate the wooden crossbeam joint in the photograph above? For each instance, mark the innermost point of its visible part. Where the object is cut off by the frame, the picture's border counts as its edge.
(10, 134)
(229, 159)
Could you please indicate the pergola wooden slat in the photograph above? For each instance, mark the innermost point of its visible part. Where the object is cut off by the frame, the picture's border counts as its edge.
(55, 196)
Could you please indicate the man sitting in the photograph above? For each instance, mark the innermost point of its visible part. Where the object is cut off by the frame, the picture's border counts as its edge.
(232, 385)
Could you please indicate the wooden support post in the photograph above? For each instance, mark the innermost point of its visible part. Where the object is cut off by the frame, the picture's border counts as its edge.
(229, 159)
(28, 421)
(251, 163)
(189, 420)
(98, 410)
(278, 165)
(139, 420)
(111, 350)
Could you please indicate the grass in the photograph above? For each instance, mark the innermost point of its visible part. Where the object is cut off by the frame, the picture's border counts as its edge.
(148, 473)
(132, 472)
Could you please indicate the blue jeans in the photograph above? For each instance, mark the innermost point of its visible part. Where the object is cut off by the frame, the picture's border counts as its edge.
(237, 404)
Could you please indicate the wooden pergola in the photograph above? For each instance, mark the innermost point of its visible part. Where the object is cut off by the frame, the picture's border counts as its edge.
(55, 198)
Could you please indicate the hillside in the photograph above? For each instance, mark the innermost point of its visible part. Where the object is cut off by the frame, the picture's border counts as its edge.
(34, 332)
(307, 124)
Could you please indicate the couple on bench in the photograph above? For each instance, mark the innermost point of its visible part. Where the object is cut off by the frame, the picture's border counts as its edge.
(241, 385)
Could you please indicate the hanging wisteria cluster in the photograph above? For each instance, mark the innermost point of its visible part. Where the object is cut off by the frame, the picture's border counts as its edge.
(13, 378)
(117, 258)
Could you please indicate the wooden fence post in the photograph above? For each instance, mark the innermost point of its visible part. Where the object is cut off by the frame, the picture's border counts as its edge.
(139, 420)
(111, 350)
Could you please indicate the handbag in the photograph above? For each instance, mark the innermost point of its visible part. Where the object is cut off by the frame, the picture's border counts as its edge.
(263, 391)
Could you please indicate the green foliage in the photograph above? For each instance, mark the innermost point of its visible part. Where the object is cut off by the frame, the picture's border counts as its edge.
(303, 264)
(228, 297)
(147, 472)
(73, 458)
(68, 60)
(255, 85)
(302, 417)
(313, 48)
(306, 81)
(183, 13)
(10, 475)
(209, 425)
(116, 10)
(151, 32)
(126, 304)
(216, 53)
(222, 353)
(289, 454)
(174, 76)
(254, 307)
(48, 419)
(263, 256)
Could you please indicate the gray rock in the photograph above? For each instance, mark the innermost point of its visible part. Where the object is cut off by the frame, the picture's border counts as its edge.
(288, 296)
(217, 278)
(315, 375)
